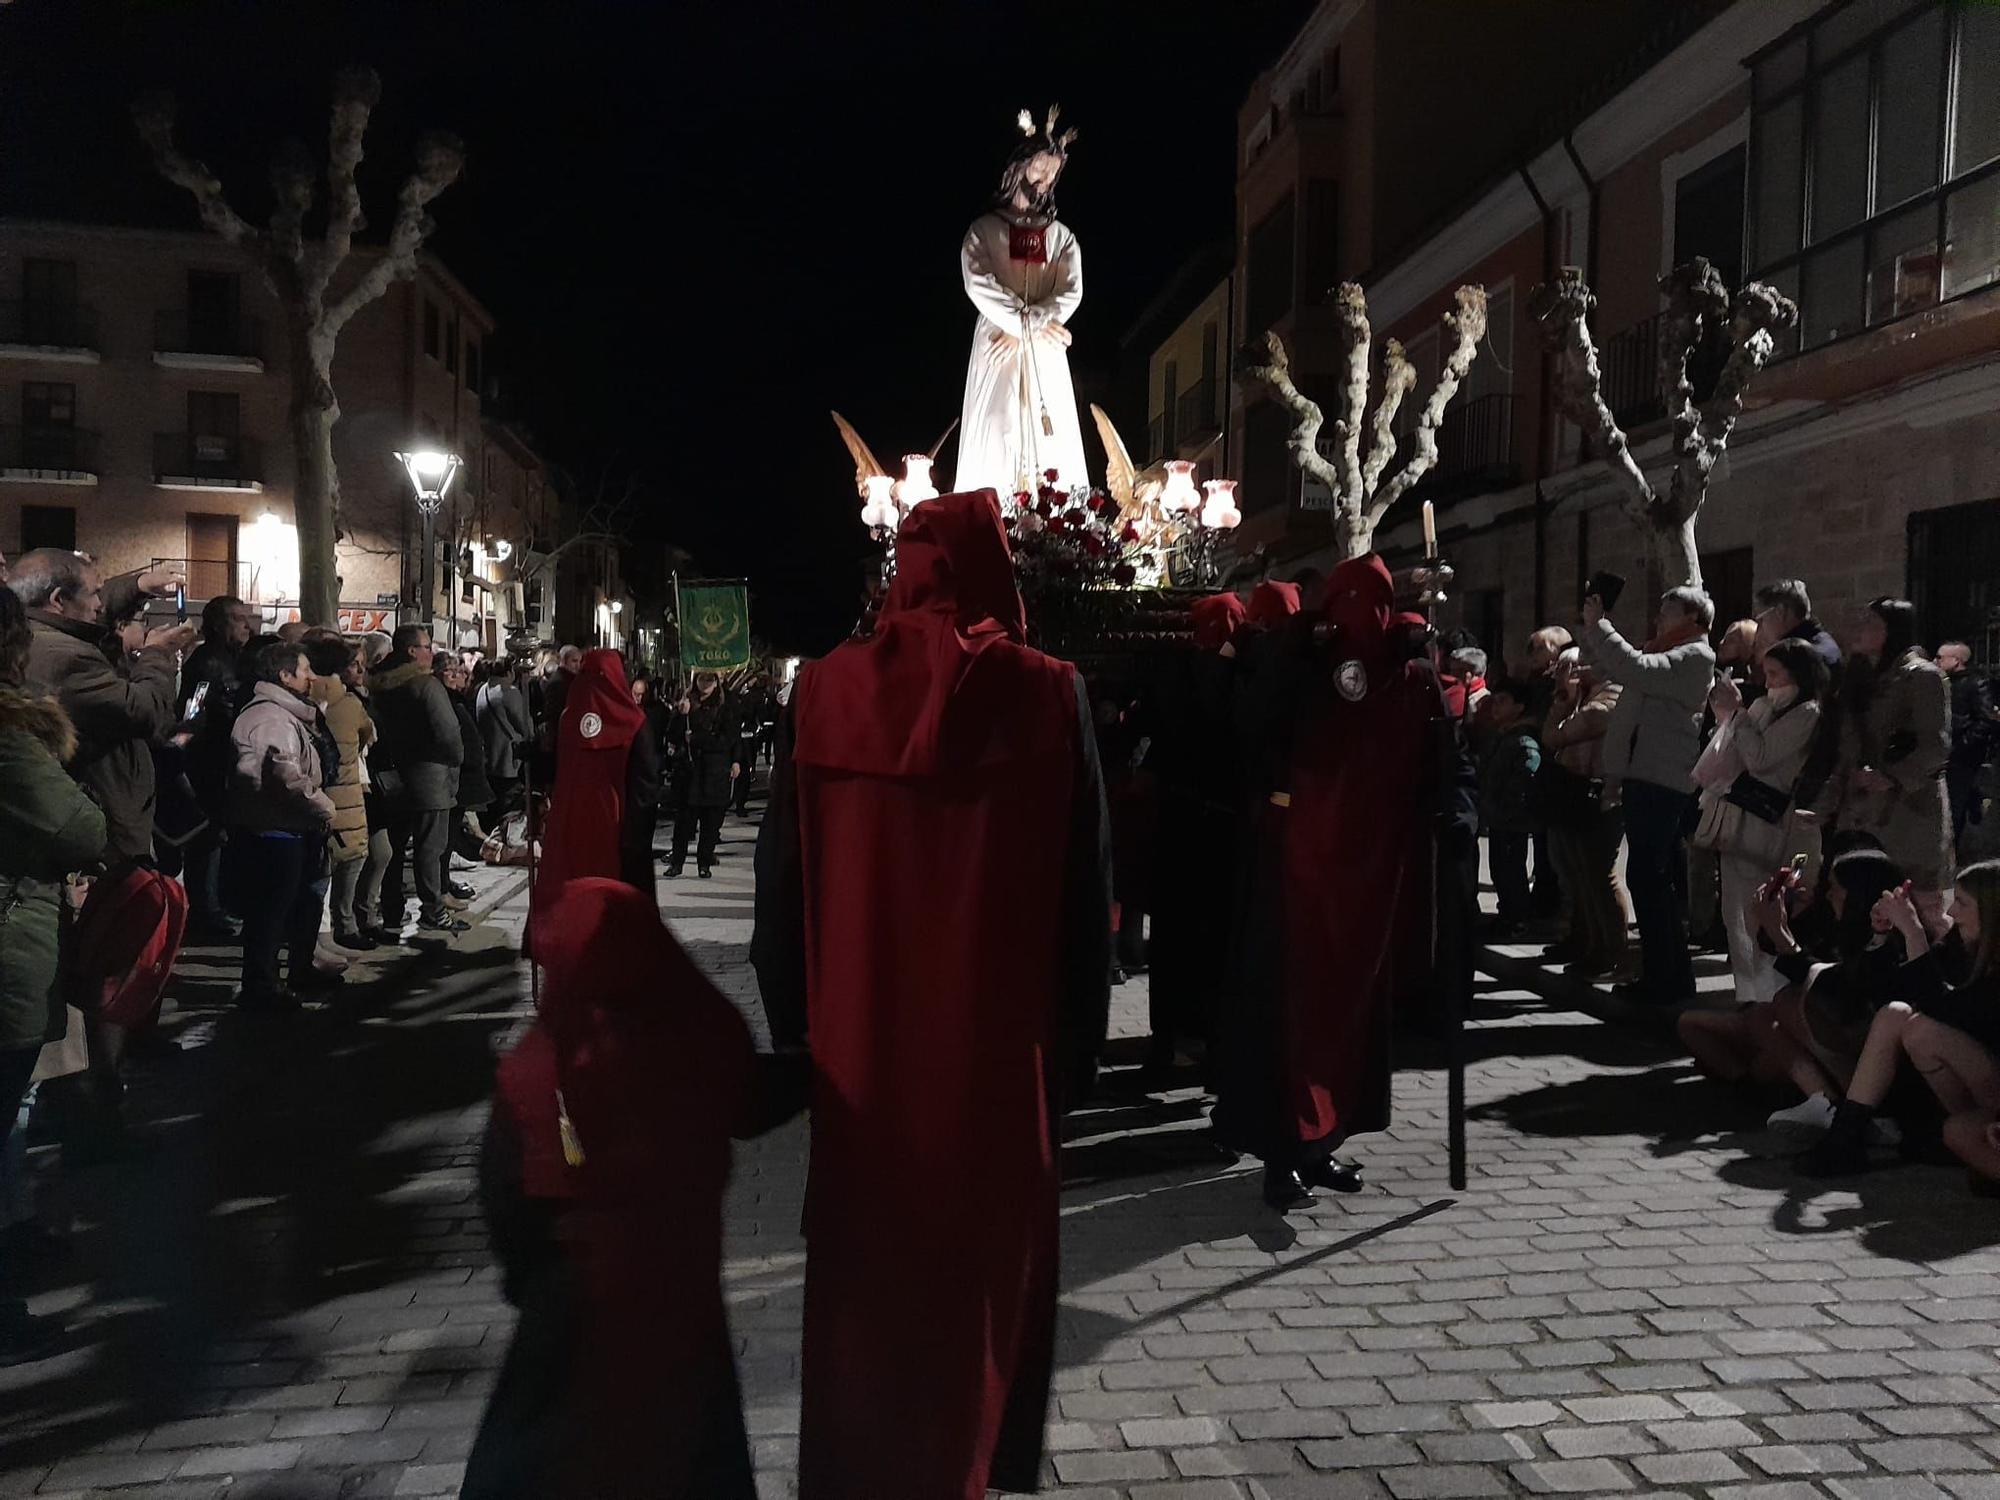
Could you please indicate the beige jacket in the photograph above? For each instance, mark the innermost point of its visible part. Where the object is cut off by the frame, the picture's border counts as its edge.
(353, 731)
(1576, 738)
(275, 785)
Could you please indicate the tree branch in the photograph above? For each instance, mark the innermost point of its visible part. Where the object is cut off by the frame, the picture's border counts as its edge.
(1350, 310)
(1757, 311)
(154, 116)
(356, 92)
(1399, 377)
(292, 195)
(1275, 374)
(1467, 323)
(440, 158)
(1560, 308)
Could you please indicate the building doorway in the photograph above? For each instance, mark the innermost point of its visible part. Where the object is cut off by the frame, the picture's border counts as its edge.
(211, 555)
(1954, 577)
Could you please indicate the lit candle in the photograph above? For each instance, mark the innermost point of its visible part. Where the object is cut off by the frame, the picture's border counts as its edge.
(1430, 531)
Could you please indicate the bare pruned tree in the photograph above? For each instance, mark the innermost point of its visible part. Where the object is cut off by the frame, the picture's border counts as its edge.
(1700, 313)
(301, 274)
(1360, 497)
(612, 504)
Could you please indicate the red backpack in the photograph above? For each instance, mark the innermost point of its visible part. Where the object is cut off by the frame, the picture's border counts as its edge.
(124, 944)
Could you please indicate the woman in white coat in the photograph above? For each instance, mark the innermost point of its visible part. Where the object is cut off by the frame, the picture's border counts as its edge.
(1023, 272)
(1747, 776)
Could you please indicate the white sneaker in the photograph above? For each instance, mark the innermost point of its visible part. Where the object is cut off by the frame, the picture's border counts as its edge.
(1883, 1132)
(1813, 1113)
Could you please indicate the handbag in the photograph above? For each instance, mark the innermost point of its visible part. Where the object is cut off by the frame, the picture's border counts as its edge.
(1718, 825)
(1758, 798)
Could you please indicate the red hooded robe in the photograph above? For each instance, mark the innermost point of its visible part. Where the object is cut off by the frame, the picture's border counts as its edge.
(1345, 867)
(587, 806)
(655, 1068)
(943, 772)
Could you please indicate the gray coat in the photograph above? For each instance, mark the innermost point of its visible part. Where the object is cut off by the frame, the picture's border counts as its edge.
(276, 784)
(419, 735)
(503, 725)
(1904, 731)
(120, 713)
(1655, 729)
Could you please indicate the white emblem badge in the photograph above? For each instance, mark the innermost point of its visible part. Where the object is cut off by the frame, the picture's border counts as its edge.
(1351, 677)
(592, 726)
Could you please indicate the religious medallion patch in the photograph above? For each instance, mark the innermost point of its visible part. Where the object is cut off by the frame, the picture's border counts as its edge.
(1351, 677)
(591, 726)
(1028, 242)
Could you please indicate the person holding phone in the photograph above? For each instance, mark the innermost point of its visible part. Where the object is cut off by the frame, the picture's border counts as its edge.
(1650, 748)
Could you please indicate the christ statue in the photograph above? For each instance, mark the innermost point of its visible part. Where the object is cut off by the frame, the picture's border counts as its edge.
(1024, 273)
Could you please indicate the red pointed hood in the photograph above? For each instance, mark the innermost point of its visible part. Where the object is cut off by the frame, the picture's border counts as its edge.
(599, 713)
(1216, 620)
(929, 689)
(1272, 601)
(1360, 605)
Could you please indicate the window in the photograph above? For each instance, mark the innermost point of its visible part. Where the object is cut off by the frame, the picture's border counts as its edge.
(1954, 577)
(48, 526)
(1708, 215)
(433, 340)
(1322, 251)
(472, 361)
(48, 303)
(214, 426)
(1875, 162)
(1171, 394)
(45, 405)
(451, 345)
(213, 311)
(1269, 478)
(1267, 300)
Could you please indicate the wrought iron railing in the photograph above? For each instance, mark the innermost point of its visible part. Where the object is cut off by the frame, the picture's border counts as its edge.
(52, 325)
(201, 456)
(1476, 441)
(1199, 412)
(235, 338)
(1630, 364)
(48, 448)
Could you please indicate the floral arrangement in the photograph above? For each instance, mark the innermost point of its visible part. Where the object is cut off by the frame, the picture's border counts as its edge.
(1070, 539)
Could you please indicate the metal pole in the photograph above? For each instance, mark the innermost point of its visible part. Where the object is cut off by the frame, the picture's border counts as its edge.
(427, 574)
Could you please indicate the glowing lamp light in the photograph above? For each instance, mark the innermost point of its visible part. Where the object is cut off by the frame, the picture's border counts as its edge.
(916, 486)
(431, 471)
(618, 606)
(1179, 497)
(1218, 511)
(879, 511)
(502, 550)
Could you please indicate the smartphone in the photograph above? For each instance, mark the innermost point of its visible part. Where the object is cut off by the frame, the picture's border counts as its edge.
(181, 603)
(195, 701)
(1607, 586)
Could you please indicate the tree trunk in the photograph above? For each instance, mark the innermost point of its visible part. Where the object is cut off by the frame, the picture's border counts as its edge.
(1673, 551)
(316, 486)
(1353, 537)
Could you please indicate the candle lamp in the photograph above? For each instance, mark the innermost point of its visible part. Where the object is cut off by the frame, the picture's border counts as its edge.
(1179, 497)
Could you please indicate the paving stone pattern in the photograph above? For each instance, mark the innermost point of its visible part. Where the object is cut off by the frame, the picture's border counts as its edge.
(293, 1299)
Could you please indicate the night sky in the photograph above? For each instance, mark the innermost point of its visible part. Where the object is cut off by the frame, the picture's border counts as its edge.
(699, 225)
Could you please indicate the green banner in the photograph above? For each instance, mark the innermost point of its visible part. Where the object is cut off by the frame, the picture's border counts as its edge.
(715, 626)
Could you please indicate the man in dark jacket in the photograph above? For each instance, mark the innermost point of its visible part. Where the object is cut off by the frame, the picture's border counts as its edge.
(475, 791)
(421, 740)
(119, 709)
(208, 695)
(704, 733)
(1972, 734)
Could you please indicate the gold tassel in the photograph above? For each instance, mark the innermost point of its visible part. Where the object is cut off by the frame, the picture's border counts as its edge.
(1048, 427)
(572, 1146)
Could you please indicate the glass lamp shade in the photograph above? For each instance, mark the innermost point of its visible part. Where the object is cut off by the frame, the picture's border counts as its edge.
(916, 486)
(1218, 511)
(880, 506)
(1179, 496)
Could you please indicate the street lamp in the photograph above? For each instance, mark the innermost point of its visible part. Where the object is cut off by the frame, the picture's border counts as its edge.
(431, 471)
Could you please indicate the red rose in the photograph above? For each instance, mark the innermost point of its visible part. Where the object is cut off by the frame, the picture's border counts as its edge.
(1096, 501)
(1022, 497)
(1051, 475)
(1125, 573)
(1092, 545)
(1129, 534)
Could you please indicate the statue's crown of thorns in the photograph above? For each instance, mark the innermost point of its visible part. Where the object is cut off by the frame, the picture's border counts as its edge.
(1048, 139)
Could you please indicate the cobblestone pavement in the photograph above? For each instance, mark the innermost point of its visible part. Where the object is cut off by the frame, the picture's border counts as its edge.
(292, 1299)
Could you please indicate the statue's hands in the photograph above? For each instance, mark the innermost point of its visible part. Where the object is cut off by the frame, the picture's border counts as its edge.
(1055, 332)
(1003, 341)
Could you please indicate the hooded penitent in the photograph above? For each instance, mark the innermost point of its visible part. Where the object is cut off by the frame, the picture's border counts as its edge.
(1340, 889)
(936, 841)
(654, 1071)
(1216, 620)
(587, 806)
(1273, 602)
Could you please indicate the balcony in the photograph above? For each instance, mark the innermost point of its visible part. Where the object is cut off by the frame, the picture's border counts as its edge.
(60, 332)
(1158, 433)
(190, 461)
(184, 343)
(1630, 364)
(47, 455)
(1198, 413)
(1475, 449)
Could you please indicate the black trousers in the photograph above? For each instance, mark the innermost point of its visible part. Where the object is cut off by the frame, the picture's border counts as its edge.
(424, 840)
(689, 820)
(283, 884)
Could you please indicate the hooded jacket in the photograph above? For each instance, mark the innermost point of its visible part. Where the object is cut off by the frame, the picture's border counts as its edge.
(48, 828)
(276, 786)
(353, 732)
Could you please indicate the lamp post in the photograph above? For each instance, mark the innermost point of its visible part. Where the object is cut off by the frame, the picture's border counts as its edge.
(431, 471)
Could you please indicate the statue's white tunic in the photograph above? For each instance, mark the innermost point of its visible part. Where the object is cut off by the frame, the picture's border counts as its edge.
(1000, 439)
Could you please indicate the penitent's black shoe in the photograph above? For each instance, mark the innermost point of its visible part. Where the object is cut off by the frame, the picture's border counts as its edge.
(1339, 1176)
(1285, 1190)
